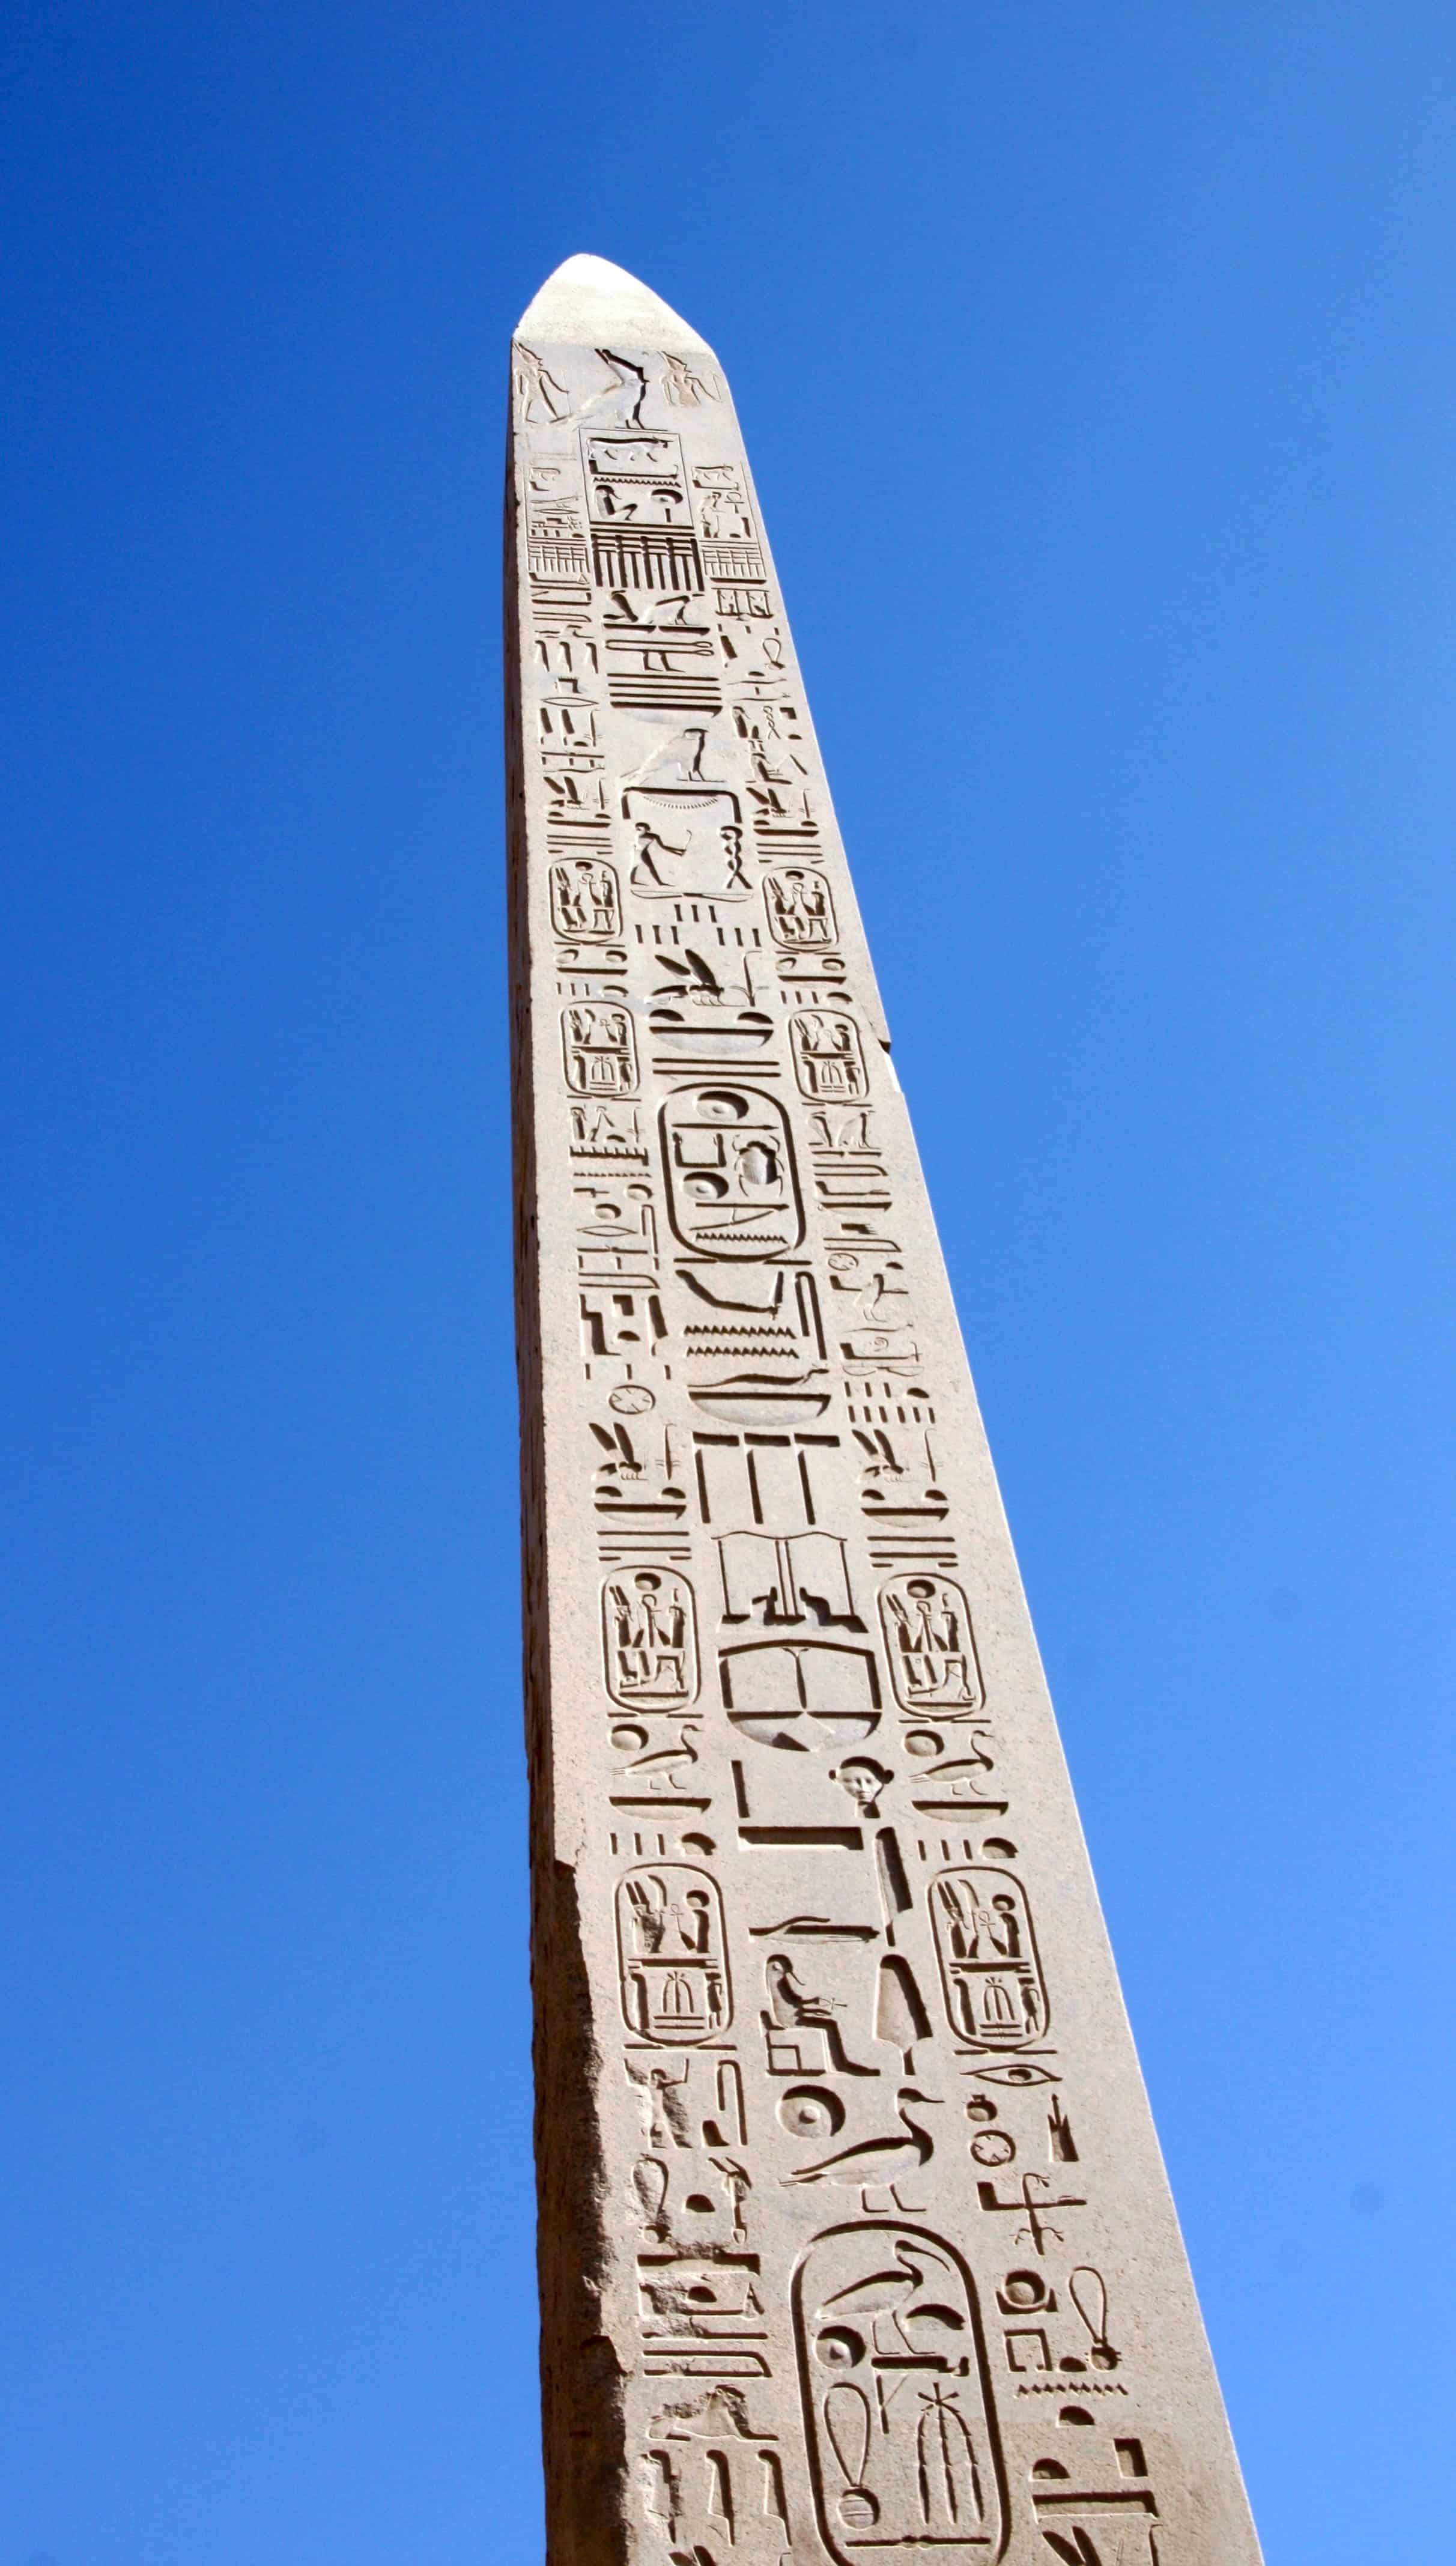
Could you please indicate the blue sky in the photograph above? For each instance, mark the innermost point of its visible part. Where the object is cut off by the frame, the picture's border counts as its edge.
(1097, 367)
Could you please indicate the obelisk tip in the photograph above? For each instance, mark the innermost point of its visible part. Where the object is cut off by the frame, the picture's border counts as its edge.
(589, 303)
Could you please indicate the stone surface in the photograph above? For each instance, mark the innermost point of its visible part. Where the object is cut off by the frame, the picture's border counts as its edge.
(855, 2242)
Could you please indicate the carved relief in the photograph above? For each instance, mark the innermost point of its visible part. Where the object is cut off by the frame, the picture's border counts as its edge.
(800, 908)
(599, 1050)
(616, 1228)
(783, 1738)
(823, 1683)
(585, 902)
(762, 1320)
(636, 495)
(556, 555)
(635, 480)
(929, 1645)
(567, 729)
(646, 557)
(706, 1012)
(786, 1581)
(784, 1479)
(869, 1310)
(898, 1483)
(1115, 2518)
(687, 843)
(715, 2478)
(734, 598)
(849, 1170)
(622, 1325)
(690, 2295)
(803, 2036)
(735, 562)
(723, 511)
(902, 2446)
(621, 399)
(829, 1057)
(992, 1979)
(686, 386)
(654, 1768)
(578, 800)
(732, 1186)
(650, 1640)
(672, 1955)
(689, 2104)
(606, 1131)
(539, 394)
(638, 1477)
(661, 654)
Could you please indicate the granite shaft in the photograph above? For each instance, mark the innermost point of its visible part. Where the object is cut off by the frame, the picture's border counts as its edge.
(856, 2243)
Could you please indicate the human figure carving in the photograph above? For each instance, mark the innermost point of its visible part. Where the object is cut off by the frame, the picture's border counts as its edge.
(586, 898)
(663, 2096)
(792, 2007)
(725, 517)
(684, 385)
(800, 908)
(652, 846)
(541, 393)
(930, 1644)
(865, 1780)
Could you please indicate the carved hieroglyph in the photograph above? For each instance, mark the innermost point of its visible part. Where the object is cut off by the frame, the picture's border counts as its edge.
(856, 2243)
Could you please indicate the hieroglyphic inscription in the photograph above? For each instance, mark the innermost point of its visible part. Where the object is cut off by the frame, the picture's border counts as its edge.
(855, 2244)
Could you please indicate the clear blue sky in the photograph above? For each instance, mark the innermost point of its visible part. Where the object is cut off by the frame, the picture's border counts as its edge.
(1097, 368)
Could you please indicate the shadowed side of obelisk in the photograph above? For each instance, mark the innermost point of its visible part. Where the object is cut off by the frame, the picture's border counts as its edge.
(854, 2239)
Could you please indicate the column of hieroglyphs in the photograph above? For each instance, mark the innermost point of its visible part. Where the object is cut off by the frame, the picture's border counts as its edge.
(856, 2241)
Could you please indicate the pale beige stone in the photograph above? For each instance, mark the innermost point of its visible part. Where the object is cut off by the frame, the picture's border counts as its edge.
(855, 2242)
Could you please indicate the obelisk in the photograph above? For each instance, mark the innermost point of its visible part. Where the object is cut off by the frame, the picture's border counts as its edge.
(855, 2238)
